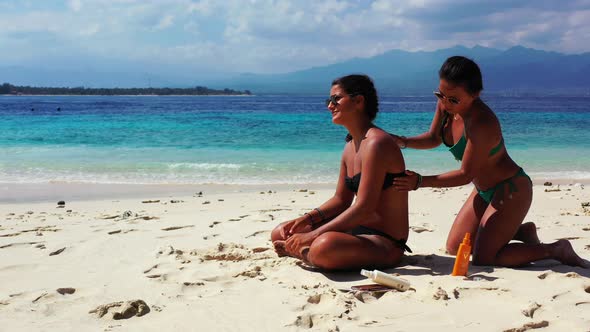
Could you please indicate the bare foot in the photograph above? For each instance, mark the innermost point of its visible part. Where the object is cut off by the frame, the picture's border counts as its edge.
(527, 233)
(566, 254)
(280, 248)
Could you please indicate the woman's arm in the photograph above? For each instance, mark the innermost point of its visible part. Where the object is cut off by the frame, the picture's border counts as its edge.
(429, 139)
(377, 159)
(479, 143)
(341, 200)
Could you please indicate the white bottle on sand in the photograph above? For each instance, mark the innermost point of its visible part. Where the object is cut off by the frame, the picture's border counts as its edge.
(387, 279)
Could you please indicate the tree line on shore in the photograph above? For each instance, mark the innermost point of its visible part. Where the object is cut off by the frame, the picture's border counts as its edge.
(9, 89)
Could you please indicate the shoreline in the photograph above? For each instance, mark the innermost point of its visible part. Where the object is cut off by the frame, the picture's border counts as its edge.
(16, 193)
(23, 193)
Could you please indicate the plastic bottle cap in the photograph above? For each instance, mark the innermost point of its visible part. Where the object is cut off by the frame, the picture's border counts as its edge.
(467, 238)
(366, 273)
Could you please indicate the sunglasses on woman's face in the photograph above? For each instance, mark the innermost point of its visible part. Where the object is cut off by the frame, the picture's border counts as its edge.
(441, 96)
(335, 98)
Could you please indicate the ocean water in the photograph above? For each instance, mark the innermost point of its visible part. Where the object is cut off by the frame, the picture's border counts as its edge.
(265, 139)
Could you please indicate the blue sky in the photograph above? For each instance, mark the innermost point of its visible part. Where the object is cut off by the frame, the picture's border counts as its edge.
(266, 36)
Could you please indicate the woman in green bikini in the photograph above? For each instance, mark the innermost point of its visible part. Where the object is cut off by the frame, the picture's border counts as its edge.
(497, 206)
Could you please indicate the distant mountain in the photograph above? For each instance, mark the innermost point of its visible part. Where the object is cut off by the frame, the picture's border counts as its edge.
(516, 70)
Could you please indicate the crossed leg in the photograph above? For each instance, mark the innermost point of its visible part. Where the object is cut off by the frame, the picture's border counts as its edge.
(343, 251)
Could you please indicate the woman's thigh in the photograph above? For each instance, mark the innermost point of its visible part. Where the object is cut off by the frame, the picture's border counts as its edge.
(502, 220)
(467, 221)
(342, 251)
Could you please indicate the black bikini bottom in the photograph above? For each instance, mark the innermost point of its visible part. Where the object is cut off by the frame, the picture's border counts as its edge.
(363, 230)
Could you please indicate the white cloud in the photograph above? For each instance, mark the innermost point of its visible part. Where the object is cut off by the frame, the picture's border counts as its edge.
(165, 22)
(285, 35)
(75, 5)
(203, 7)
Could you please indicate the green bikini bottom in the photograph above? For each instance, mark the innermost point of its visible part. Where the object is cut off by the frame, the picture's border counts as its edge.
(488, 195)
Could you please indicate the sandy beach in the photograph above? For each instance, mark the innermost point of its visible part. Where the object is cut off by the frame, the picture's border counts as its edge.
(200, 259)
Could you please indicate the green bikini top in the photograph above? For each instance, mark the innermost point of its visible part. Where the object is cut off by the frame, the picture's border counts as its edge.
(459, 148)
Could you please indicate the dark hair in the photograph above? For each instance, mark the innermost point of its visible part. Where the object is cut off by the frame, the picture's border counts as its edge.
(360, 85)
(462, 71)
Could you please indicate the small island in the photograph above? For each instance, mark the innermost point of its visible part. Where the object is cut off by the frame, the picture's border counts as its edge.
(9, 89)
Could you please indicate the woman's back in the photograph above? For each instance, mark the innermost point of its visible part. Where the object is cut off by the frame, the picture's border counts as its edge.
(391, 212)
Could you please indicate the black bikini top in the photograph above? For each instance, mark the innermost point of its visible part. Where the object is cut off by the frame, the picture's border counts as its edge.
(352, 183)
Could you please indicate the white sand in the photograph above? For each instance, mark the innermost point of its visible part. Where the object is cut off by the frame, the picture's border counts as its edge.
(206, 264)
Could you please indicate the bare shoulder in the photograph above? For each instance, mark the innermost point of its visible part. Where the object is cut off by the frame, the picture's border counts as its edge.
(379, 140)
(486, 125)
(381, 145)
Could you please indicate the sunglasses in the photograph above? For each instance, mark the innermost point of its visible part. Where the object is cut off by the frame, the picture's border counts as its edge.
(441, 96)
(335, 98)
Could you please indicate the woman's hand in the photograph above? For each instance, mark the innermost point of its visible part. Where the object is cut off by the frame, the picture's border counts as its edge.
(301, 225)
(408, 182)
(399, 140)
(299, 242)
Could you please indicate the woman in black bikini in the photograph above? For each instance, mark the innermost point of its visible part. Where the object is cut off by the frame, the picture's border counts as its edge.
(498, 204)
(372, 231)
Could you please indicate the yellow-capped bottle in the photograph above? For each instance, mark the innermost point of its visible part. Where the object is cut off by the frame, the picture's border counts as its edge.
(462, 260)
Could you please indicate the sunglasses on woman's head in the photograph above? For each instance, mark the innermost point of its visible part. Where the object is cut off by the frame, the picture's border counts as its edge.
(335, 98)
(441, 96)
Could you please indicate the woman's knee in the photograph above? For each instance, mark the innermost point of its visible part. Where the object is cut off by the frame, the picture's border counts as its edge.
(452, 246)
(322, 252)
(276, 234)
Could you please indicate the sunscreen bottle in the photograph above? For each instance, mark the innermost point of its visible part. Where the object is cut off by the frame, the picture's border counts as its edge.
(462, 260)
(387, 280)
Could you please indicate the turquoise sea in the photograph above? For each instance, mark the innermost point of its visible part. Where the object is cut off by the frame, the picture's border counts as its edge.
(266, 139)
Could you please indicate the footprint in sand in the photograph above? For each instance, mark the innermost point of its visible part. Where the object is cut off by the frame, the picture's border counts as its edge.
(440, 294)
(36, 230)
(559, 295)
(314, 313)
(257, 233)
(120, 231)
(228, 260)
(308, 321)
(122, 309)
(256, 272)
(231, 252)
(40, 297)
(420, 229)
(57, 252)
(530, 310)
(23, 243)
(66, 290)
(304, 321)
(529, 326)
(239, 218)
(173, 228)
